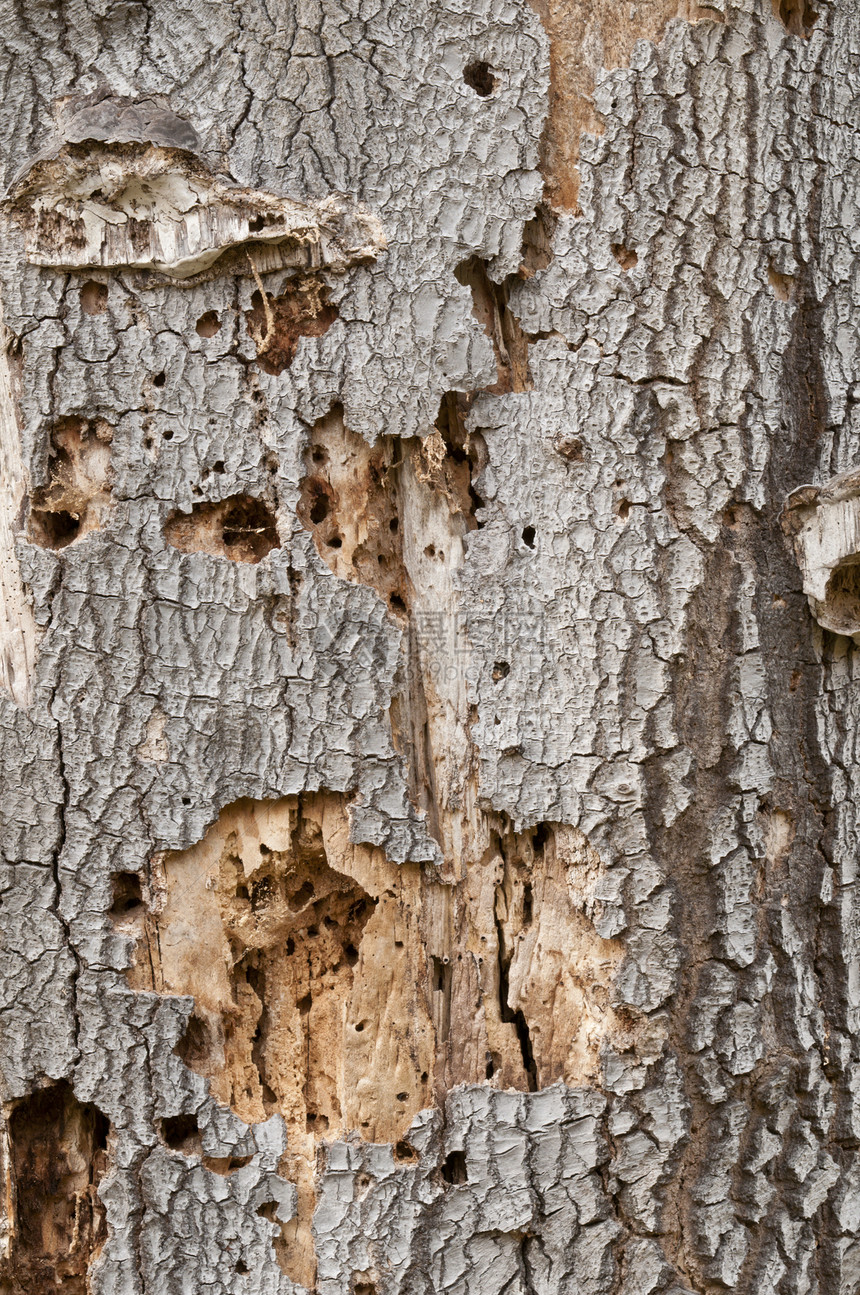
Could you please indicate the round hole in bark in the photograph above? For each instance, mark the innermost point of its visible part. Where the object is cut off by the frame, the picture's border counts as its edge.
(501, 670)
(208, 324)
(94, 298)
(181, 1133)
(159, 379)
(529, 536)
(335, 542)
(478, 75)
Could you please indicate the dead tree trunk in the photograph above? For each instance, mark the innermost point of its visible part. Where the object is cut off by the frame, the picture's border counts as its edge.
(429, 550)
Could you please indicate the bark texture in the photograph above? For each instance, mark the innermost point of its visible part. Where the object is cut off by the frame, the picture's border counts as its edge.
(429, 550)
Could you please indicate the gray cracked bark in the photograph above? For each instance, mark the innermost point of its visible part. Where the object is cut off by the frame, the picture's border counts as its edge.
(429, 551)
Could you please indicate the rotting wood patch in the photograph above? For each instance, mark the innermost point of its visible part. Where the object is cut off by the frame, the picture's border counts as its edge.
(241, 527)
(77, 498)
(352, 496)
(277, 323)
(348, 993)
(58, 1154)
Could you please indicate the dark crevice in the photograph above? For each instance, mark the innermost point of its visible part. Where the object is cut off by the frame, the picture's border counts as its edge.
(490, 307)
(56, 906)
(538, 234)
(507, 1013)
(466, 455)
(256, 978)
(454, 1170)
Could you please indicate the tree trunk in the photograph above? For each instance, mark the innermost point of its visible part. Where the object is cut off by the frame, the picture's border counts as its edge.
(429, 552)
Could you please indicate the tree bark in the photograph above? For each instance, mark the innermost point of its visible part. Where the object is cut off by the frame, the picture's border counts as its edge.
(429, 552)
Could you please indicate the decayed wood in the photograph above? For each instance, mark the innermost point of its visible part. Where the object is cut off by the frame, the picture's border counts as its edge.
(428, 556)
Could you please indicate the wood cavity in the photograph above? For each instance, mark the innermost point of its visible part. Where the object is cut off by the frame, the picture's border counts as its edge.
(241, 527)
(58, 1155)
(797, 16)
(277, 323)
(77, 497)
